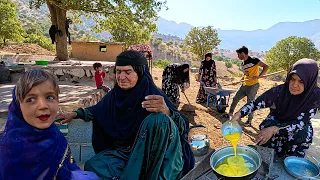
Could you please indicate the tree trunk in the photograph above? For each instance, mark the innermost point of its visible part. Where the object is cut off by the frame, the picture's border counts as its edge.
(58, 18)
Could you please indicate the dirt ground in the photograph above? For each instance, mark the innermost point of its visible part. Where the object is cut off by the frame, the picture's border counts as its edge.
(212, 119)
(208, 117)
(26, 48)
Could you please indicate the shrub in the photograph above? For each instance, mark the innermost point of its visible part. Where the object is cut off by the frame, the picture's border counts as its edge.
(169, 43)
(156, 43)
(228, 64)
(40, 40)
(161, 63)
(218, 58)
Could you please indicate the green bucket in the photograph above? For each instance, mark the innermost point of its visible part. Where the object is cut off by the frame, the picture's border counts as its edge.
(41, 62)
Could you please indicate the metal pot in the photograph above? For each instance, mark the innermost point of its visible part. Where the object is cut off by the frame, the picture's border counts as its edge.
(199, 143)
(249, 154)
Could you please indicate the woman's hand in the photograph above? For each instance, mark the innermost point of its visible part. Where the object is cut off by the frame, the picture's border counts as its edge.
(236, 116)
(66, 117)
(156, 103)
(265, 134)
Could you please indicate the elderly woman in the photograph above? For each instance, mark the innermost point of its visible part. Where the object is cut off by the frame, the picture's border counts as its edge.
(288, 129)
(208, 75)
(173, 76)
(137, 132)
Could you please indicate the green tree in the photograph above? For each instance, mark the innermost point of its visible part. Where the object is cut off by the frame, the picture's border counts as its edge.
(34, 29)
(124, 29)
(10, 27)
(288, 51)
(157, 42)
(41, 40)
(202, 40)
(34, 34)
(101, 11)
(162, 46)
(169, 43)
(87, 37)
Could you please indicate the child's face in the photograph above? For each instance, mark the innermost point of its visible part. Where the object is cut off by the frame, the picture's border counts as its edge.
(99, 68)
(39, 107)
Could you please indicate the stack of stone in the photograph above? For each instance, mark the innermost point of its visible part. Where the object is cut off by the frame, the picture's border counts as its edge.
(93, 99)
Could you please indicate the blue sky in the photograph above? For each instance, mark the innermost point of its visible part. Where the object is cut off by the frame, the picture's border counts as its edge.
(240, 14)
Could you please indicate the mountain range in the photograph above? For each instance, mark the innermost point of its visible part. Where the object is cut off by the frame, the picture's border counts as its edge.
(256, 40)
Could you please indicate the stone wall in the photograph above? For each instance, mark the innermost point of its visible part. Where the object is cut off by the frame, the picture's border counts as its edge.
(23, 58)
(76, 72)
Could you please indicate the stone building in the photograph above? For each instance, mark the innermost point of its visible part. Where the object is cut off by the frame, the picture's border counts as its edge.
(96, 51)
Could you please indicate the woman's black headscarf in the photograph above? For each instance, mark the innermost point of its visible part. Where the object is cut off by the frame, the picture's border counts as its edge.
(207, 64)
(290, 106)
(181, 76)
(119, 114)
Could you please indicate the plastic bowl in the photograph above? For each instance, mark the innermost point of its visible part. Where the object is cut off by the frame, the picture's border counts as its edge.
(41, 62)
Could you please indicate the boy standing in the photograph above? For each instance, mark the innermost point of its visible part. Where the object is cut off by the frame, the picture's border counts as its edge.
(251, 73)
(99, 75)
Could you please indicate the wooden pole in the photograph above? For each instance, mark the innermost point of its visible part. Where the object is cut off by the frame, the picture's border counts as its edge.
(264, 76)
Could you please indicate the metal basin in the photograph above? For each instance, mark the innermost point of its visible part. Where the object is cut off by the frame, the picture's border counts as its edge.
(301, 168)
(250, 155)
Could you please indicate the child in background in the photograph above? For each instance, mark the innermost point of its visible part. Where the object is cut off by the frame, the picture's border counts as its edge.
(31, 146)
(99, 75)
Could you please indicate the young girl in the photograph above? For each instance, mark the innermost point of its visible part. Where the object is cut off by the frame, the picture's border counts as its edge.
(31, 146)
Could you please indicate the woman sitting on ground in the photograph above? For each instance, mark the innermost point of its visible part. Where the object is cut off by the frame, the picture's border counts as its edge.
(137, 132)
(173, 76)
(288, 129)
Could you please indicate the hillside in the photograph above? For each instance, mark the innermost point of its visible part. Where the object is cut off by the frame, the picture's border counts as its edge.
(257, 40)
